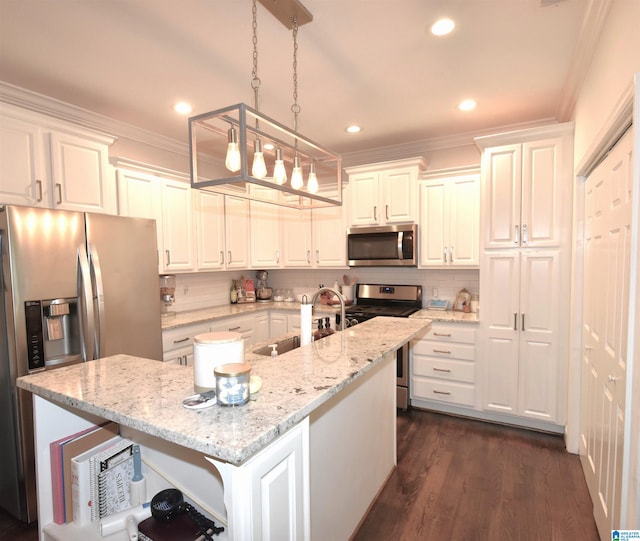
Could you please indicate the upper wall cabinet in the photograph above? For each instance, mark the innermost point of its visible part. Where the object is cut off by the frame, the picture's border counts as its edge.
(52, 164)
(527, 187)
(449, 221)
(384, 193)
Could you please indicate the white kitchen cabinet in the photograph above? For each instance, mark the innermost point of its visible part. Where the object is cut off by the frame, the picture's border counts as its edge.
(208, 217)
(313, 238)
(236, 232)
(52, 164)
(177, 227)
(520, 333)
(527, 187)
(260, 328)
(384, 193)
(281, 323)
(245, 325)
(449, 221)
(264, 220)
(443, 367)
(177, 344)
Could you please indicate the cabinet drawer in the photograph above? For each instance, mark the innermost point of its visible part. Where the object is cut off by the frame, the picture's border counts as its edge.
(443, 391)
(182, 336)
(434, 367)
(452, 333)
(446, 350)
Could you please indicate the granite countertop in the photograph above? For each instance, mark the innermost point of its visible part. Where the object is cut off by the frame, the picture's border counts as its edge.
(189, 317)
(147, 395)
(449, 316)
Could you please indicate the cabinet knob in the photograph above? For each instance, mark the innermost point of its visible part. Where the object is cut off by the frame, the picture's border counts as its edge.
(612, 379)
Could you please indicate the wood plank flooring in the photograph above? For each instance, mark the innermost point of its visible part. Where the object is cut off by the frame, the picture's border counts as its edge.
(474, 481)
(467, 480)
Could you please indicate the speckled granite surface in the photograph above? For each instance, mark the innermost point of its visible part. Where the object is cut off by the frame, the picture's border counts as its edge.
(226, 310)
(446, 315)
(147, 395)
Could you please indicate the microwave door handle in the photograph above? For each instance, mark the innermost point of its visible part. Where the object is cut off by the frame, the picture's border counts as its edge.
(98, 300)
(85, 303)
(400, 240)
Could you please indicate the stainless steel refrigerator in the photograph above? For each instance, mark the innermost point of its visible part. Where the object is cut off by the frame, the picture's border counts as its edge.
(74, 287)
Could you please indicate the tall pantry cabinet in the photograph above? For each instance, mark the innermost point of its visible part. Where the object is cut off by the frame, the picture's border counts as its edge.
(526, 209)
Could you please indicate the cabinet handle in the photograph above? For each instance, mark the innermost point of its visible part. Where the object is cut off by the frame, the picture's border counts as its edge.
(450, 254)
(308, 256)
(317, 256)
(442, 351)
(447, 370)
(523, 322)
(612, 379)
(515, 321)
(517, 241)
(221, 257)
(444, 254)
(59, 188)
(234, 328)
(441, 392)
(168, 254)
(278, 257)
(386, 211)
(181, 340)
(39, 185)
(229, 256)
(375, 213)
(447, 334)
(524, 234)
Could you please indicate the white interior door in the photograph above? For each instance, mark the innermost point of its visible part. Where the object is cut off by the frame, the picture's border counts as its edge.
(607, 246)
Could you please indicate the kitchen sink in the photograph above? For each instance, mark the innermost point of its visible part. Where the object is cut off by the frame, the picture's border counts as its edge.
(287, 344)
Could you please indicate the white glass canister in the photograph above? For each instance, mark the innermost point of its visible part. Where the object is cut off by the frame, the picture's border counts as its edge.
(213, 349)
(232, 384)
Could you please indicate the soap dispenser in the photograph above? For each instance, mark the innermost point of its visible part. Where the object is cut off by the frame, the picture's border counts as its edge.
(274, 350)
(319, 331)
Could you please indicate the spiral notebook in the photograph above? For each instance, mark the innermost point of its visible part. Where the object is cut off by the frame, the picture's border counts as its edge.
(113, 470)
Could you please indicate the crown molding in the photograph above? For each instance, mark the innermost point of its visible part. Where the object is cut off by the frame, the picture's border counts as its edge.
(39, 103)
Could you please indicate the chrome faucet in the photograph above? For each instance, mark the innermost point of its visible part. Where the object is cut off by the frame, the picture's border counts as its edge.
(337, 294)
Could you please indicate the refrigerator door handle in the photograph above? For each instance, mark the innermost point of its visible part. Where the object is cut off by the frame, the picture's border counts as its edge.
(85, 302)
(98, 300)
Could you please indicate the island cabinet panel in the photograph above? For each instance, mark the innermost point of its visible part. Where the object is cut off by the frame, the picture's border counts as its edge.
(268, 496)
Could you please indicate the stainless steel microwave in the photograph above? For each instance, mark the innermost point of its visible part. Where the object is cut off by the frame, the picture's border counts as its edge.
(383, 246)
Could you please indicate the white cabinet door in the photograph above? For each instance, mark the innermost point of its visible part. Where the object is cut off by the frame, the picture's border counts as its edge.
(525, 193)
(295, 228)
(23, 176)
(236, 212)
(264, 221)
(449, 222)
(519, 325)
(364, 198)
(329, 237)
(278, 325)
(80, 173)
(397, 201)
(177, 230)
(261, 328)
(208, 215)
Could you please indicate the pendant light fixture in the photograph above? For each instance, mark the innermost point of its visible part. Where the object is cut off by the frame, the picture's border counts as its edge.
(224, 161)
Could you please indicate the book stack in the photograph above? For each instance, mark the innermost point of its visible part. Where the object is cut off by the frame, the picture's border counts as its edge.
(91, 474)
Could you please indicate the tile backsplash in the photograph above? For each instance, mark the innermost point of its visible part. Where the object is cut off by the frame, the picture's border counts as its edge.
(202, 290)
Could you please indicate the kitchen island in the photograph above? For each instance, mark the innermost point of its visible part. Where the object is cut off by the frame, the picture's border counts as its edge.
(302, 460)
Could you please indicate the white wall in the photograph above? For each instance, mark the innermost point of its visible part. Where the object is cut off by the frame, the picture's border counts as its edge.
(609, 77)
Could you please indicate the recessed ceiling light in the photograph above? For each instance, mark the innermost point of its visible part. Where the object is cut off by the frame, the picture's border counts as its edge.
(268, 146)
(182, 107)
(467, 105)
(442, 27)
(353, 129)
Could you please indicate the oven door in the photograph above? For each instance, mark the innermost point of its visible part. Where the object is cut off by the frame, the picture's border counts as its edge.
(402, 379)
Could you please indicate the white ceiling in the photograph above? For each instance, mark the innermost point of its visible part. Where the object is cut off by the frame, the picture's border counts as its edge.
(371, 62)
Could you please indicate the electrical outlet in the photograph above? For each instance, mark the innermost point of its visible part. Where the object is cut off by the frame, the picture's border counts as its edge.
(435, 293)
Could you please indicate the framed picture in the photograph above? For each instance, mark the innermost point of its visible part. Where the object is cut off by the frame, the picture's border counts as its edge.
(463, 298)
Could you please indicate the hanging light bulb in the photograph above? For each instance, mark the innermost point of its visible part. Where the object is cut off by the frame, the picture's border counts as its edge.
(259, 169)
(312, 183)
(279, 172)
(232, 160)
(296, 176)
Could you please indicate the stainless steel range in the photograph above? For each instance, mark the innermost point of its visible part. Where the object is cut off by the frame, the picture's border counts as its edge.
(388, 300)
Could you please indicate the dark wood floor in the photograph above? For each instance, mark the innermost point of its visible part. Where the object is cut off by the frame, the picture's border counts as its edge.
(467, 480)
(474, 481)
